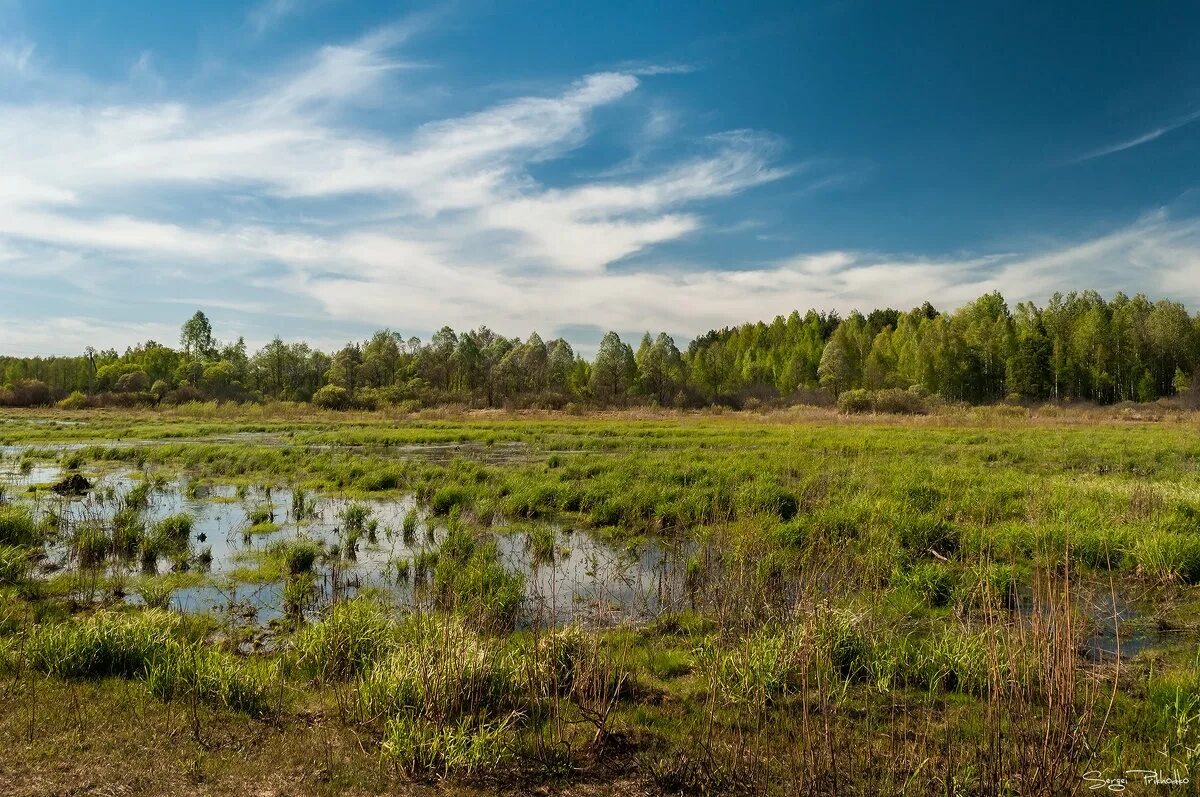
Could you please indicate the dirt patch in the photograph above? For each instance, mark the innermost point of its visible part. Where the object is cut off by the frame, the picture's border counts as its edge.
(72, 485)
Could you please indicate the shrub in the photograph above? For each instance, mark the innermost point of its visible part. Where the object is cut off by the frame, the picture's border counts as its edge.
(133, 382)
(890, 400)
(26, 393)
(184, 394)
(896, 401)
(332, 397)
(854, 401)
(76, 401)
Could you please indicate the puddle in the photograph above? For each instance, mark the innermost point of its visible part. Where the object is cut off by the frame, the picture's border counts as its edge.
(583, 580)
(1120, 627)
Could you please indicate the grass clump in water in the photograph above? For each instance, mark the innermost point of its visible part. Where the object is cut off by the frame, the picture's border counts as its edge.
(450, 497)
(470, 578)
(298, 556)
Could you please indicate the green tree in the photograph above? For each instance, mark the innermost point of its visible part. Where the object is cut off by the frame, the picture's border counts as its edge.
(613, 371)
(196, 336)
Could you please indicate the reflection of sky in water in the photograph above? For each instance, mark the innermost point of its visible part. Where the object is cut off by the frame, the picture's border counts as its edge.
(585, 580)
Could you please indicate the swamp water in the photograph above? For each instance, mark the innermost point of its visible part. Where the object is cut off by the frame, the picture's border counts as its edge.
(578, 578)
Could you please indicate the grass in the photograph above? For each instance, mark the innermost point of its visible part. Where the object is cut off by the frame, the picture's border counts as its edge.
(17, 527)
(469, 579)
(859, 604)
(150, 646)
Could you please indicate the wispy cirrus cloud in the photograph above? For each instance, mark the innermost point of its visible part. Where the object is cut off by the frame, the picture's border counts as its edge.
(16, 56)
(447, 213)
(1139, 140)
(283, 204)
(269, 13)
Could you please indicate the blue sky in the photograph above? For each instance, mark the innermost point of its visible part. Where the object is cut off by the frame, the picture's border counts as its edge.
(324, 168)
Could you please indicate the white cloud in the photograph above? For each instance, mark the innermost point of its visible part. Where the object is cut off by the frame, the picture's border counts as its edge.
(464, 212)
(1137, 141)
(16, 57)
(274, 196)
(269, 13)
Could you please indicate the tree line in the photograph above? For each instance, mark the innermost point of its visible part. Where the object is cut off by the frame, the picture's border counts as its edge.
(1078, 347)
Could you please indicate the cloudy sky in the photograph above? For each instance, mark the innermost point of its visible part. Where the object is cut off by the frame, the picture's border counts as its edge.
(324, 168)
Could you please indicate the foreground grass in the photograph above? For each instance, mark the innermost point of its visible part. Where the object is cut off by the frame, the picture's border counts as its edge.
(876, 605)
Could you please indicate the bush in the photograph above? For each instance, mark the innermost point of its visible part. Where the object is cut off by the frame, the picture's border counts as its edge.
(184, 394)
(133, 382)
(76, 401)
(891, 400)
(900, 402)
(332, 397)
(854, 401)
(26, 393)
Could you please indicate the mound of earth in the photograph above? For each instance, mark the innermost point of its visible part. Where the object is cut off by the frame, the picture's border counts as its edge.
(72, 485)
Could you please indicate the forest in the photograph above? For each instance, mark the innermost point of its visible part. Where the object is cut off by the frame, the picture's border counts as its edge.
(1077, 347)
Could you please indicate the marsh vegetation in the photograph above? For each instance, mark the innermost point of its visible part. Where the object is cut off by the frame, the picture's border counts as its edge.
(977, 601)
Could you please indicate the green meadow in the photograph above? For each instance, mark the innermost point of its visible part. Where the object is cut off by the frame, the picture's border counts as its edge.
(979, 601)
